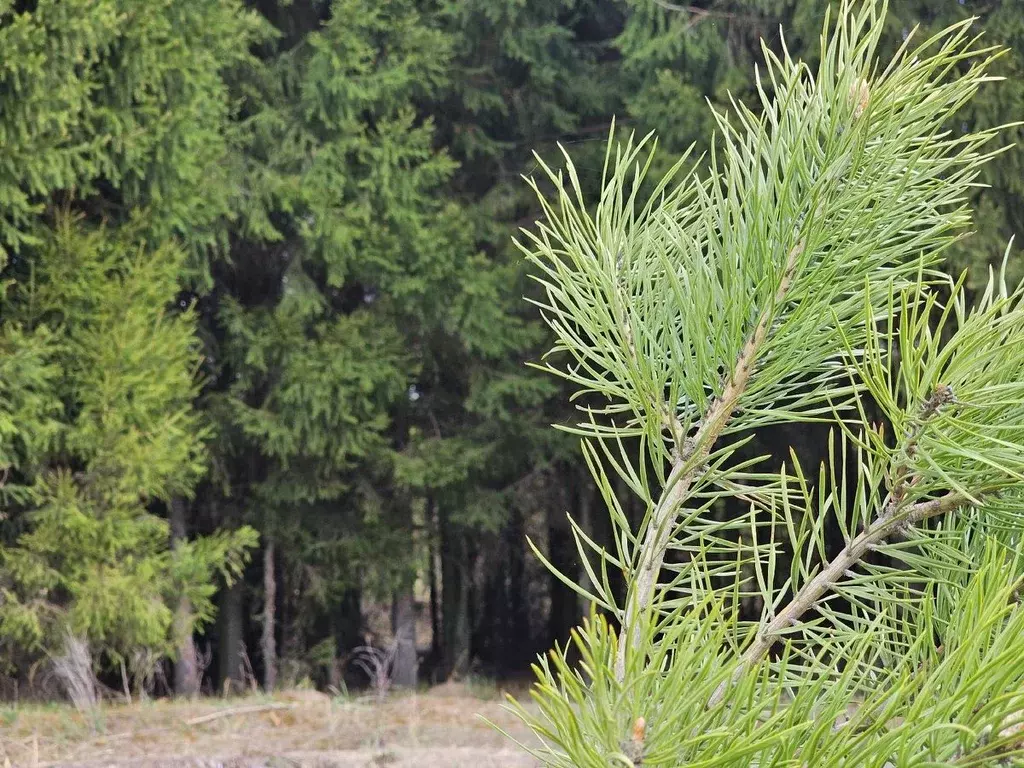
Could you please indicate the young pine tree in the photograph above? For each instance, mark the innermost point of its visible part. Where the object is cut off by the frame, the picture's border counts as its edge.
(101, 427)
(796, 279)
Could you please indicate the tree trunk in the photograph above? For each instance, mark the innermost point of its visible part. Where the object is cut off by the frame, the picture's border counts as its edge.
(186, 665)
(74, 668)
(403, 620)
(405, 666)
(348, 621)
(586, 519)
(293, 642)
(269, 646)
(563, 555)
(518, 636)
(454, 599)
(232, 676)
(435, 608)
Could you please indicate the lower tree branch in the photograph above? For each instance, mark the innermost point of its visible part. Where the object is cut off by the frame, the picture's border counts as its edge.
(698, 14)
(855, 551)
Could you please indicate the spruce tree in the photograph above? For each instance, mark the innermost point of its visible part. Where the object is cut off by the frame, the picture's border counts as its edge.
(795, 277)
(118, 111)
(347, 264)
(92, 562)
(122, 105)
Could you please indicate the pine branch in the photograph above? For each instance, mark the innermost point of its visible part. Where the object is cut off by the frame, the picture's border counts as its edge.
(889, 522)
(942, 395)
(710, 332)
(689, 461)
(842, 565)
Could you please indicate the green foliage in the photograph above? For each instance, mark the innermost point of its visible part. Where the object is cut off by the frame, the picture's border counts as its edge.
(811, 189)
(342, 177)
(115, 112)
(333, 380)
(675, 57)
(340, 149)
(92, 559)
(792, 280)
(349, 269)
(28, 404)
(128, 365)
(121, 93)
(105, 572)
(343, 182)
(930, 708)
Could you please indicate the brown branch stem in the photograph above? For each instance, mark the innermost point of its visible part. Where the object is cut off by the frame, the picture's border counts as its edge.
(902, 480)
(697, 13)
(685, 467)
(825, 580)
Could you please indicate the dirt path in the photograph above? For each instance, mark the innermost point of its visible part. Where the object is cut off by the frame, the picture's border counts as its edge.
(441, 728)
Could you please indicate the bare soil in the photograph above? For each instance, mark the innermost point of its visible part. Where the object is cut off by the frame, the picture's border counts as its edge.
(442, 727)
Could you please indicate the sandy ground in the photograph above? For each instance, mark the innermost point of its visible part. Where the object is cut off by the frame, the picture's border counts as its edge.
(442, 727)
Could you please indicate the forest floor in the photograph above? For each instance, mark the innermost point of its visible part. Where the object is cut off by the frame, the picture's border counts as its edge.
(440, 727)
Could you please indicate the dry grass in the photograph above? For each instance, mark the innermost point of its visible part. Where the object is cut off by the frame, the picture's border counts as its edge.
(437, 728)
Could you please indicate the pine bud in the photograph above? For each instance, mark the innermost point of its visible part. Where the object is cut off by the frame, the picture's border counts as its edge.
(639, 730)
(944, 394)
(634, 749)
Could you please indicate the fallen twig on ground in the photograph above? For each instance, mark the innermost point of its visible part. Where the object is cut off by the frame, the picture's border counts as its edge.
(236, 711)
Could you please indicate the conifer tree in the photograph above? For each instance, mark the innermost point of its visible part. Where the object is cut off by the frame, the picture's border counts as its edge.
(346, 264)
(522, 76)
(92, 561)
(795, 278)
(122, 105)
(119, 111)
(342, 178)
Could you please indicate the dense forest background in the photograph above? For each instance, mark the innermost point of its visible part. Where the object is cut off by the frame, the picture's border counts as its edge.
(263, 393)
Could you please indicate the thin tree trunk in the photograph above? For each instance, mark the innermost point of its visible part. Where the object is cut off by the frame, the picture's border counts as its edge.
(585, 512)
(518, 639)
(454, 599)
(435, 608)
(562, 554)
(269, 645)
(405, 667)
(403, 617)
(186, 665)
(232, 677)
